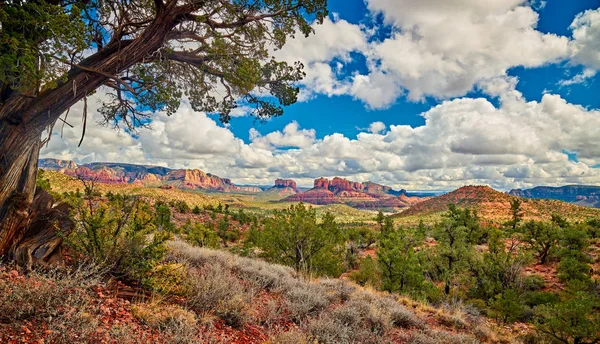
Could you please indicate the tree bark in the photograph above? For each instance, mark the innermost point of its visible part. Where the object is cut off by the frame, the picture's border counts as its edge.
(24, 118)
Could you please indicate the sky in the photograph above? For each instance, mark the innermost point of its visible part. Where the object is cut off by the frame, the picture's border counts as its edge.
(416, 94)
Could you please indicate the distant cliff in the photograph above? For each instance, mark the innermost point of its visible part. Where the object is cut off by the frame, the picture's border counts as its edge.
(366, 195)
(56, 164)
(118, 173)
(585, 195)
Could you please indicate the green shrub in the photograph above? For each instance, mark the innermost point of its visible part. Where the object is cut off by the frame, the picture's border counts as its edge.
(162, 219)
(367, 274)
(399, 263)
(199, 235)
(508, 306)
(570, 268)
(573, 320)
(294, 237)
(533, 282)
(536, 298)
(182, 207)
(119, 234)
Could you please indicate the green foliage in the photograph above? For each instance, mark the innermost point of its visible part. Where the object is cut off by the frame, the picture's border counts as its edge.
(196, 210)
(455, 235)
(574, 262)
(199, 235)
(398, 262)
(362, 236)
(42, 182)
(45, 44)
(162, 221)
(380, 218)
(34, 34)
(119, 234)
(574, 320)
(533, 282)
(542, 238)
(570, 268)
(388, 225)
(537, 298)
(593, 228)
(368, 273)
(226, 233)
(508, 306)
(182, 207)
(498, 269)
(294, 237)
(516, 213)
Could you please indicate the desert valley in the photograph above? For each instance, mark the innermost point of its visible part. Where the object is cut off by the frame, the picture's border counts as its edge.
(299, 172)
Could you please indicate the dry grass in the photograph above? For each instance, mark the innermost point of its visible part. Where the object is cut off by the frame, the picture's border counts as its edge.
(243, 293)
(327, 310)
(176, 323)
(216, 290)
(61, 299)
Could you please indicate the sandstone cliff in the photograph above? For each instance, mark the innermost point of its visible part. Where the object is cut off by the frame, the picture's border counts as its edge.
(155, 176)
(366, 195)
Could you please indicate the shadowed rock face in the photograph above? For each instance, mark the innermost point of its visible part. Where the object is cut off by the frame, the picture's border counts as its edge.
(285, 183)
(117, 173)
(366, 195)
(586, 195)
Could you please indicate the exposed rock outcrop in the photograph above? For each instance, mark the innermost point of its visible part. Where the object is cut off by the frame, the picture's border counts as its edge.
(156, 176)
(366, 195)
(285, 183)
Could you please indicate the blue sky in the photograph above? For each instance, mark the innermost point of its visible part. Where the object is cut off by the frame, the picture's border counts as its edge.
(343, 114)
(415, 94)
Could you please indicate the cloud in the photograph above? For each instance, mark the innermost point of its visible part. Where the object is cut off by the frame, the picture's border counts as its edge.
(291, 136)
(437, 48)
(333, 40)
(445, 48)
(586, 39)
(377, 127)
(580, 78)
(463, 141)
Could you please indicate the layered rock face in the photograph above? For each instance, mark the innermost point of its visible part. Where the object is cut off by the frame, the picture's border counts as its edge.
(196, 179)
(366, 195)
(116, 173)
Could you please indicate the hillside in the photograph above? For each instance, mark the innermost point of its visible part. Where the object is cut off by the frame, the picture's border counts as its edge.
(494, 206)
(223, 298)
(584, 195)
(255, 203)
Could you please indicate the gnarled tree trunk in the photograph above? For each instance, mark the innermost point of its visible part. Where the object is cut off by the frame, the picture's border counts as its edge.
(23, 119)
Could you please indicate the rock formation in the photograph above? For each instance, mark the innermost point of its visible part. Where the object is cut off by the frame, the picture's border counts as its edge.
(56, 164)
(585, 195)
(366, 195)
(155, 176)
(285, 183)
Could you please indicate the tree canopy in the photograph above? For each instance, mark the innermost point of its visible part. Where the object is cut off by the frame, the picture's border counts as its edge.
(217, 54)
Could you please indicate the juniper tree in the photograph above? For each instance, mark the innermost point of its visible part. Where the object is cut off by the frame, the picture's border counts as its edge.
(146, 56)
